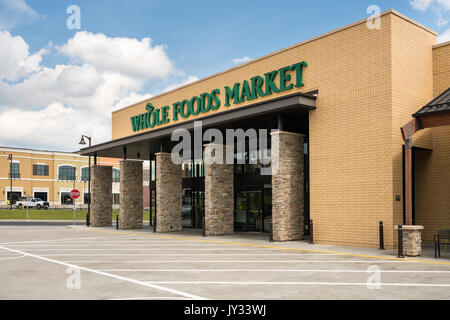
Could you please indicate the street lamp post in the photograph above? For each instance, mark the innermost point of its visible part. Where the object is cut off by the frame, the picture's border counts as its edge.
(83, 142)
(10, 158)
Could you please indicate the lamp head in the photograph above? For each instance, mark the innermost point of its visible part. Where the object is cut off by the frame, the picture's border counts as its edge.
(82, 142)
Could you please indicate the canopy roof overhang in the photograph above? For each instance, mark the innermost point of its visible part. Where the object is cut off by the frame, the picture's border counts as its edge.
(140, 146)
(434, 114)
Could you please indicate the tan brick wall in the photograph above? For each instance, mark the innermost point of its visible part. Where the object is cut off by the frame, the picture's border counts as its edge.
(432, 167)
(369, 82)
(412, 88)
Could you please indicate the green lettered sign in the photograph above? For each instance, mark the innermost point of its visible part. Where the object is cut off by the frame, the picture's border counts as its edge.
(248, 90)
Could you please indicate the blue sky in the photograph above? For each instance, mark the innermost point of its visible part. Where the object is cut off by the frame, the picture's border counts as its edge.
(189, 40)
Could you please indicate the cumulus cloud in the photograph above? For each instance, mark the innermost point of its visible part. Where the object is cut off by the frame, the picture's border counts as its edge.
(440, 9)
(444, 37)
(131, 57)
(420, 5)
(242, 60)
(16, 12)
(15, 57)
(183, 82)
(50, 107)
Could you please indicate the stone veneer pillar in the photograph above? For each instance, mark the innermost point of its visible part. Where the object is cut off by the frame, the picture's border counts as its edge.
(131, 195)
(169, 192)
(287, 186)
(101, 196)
(219, 196)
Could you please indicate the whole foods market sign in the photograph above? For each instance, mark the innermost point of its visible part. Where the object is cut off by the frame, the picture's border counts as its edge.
(248, 90)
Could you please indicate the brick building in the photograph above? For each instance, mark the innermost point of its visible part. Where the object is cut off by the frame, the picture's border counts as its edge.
(334, 106)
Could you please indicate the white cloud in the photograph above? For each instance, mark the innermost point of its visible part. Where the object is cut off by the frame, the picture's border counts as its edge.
(131, 99)
(444, 37)
(444, 3)
(439, 7)
(51, 107)
(16, 61)
(420, 5)
(183, 82)
(124, 56)
(16, 12)
(242, 60)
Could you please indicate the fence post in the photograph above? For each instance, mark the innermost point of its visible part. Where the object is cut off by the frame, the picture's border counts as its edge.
(400, 242)
(381, 231)
(311, 232)
(117, 222)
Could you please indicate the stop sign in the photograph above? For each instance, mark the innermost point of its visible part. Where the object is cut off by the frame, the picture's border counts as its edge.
(74, 194)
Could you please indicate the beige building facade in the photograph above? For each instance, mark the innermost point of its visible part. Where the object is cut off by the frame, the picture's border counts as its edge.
(344, 96)
(50, 176)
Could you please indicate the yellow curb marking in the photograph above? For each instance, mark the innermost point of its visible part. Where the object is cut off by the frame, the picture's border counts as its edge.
(271, 247)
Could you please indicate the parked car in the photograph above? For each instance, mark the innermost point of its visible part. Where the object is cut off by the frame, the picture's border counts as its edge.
(35, 203)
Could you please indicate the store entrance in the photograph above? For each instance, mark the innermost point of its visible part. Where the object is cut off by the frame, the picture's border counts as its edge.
(253, 208)
(193, 209)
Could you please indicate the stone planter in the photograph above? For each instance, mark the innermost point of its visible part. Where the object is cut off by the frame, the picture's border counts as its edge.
(412, 240)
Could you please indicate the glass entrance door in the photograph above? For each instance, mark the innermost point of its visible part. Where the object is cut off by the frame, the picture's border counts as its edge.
(193, 208)
(248, 212)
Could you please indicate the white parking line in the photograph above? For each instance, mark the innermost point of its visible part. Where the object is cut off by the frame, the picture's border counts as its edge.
(302, 283)
(110, 244)
(271, 270)
(52, 240)
(185, 254)
(151, 298)
(141, 283)
(141, 249)
(237, 261)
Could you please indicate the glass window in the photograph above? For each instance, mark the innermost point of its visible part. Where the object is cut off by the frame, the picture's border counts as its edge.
(116, 175)
(153, 169)
(86, 198)
(40, 170)
(146, 175)
(85, 174)
(187, 169)
(65, 198)
(116, 198)
(67, 173)
(41, 195)
(14, 170)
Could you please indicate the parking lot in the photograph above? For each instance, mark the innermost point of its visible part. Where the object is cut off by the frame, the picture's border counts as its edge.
(62, 262)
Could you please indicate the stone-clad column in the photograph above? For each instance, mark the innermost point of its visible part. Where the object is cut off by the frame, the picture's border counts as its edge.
(287, 186)
(131, 195)
(101, 196)
(169, 192)
(219, 195)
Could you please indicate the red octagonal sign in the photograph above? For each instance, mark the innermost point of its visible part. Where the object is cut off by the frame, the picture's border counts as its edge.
(74, 194)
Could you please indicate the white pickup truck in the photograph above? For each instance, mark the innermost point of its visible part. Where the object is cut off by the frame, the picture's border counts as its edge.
(32, 203)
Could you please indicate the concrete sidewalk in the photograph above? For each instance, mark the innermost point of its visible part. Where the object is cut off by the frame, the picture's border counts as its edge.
(260, 239)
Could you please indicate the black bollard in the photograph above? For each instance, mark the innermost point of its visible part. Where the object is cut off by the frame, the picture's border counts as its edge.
(311, 232)
(88, 220)
(117, 222)
(380, 228)
(400, 242)
(271, 230)
(204, 226)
